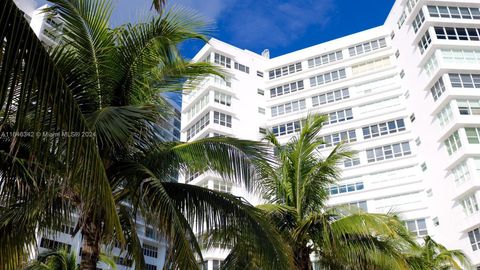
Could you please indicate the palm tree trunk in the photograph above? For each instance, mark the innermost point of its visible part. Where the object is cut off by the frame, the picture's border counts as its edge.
(91, 233)
(302, 259)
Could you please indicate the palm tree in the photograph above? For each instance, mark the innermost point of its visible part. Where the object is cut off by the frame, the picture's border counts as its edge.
(54, 260)
(90, 109)
(434, 256)
(296, 189)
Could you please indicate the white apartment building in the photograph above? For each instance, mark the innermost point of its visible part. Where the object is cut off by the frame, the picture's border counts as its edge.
(404, 95)
(48, 29)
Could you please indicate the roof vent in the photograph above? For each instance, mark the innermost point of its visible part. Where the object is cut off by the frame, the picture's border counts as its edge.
(266, 53)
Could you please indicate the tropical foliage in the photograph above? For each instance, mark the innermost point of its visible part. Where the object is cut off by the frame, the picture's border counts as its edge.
(296, 188)
(89, 111)
(54, 260)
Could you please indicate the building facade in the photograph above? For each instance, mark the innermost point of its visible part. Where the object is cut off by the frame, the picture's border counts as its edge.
(405, 96)
(48, 30)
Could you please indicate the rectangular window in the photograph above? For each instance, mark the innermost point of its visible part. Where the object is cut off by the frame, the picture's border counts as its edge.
(468, 107)
(150, 233)
(453, 143)
(388, 152)
(150, 267)
(384, 128)
(330, 97)
(362, 205)
(461, 173)
(367, 47)
(223, 98)
(445, 115)
(261, 92)
(457, 56)
(339, 116)
(351, 162)
(222, 119)
(437, 89)
(418, 227)
(261, 110)
(411, 5)
(424, 42)
(325, 59)
(336, 138)
(222, 186)
(474, 237)
(287, 128)
(418, 21)
(465, 80)
(470, 204)
(198, 126)
(285, 70)
(328, 77)
(401, 20)
(54, 245)
(473, 135)
(289, 107)
(242, 68)
(286, 89)
(217, 264)
(431, 65)
(340, 189)
(466, 13)
(197, 107)
(150, 251)
(371, 65)
(222, 60)
(260, 74)
(457, 33)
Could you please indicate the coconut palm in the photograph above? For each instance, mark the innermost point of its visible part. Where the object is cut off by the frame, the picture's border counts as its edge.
(296, 189)
(434, 256)
(54, 260)
(92, 155)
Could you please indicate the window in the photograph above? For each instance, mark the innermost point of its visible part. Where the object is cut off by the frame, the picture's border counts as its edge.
(367, 47)
(392, 35)
(465, 80)
(418, 227)
(371, 65)
(123, 261)
(261, 92)
(330, 97)
(217, 264)
(339, 116)
(431, 65)
(435, 221)
(328, 77)
(457, 56)
(197, 107)
(445, 116)
(470, 204)
(351, 162)
(388, 152)
(418, 141)
(198, 126)
(150, 233)
(453, 143)
(437, 89)
(418, 21)
(242, 68)
(339, 189)
(401, 20)
(397, 54)
(325, 59)
(336, 138)
(384, 128)
(461, 173)
(222, 186)
(262, 130)
(474, 237)
(469, 107)
(150, 251)
(411, 4)
(424, 42)
(260, 74)
(261, 110)
(222, 119)
(222, 82)
(473, 135)
(457, 33)
(222, 60)
(287, 128)
(454, 12)
(286, 89)
(402, 73)
(362, 205)
(289, 107)
(203, 265)
(223, 99)
(150, 267)
(284, 71)
(424, 166)
(54, 245)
